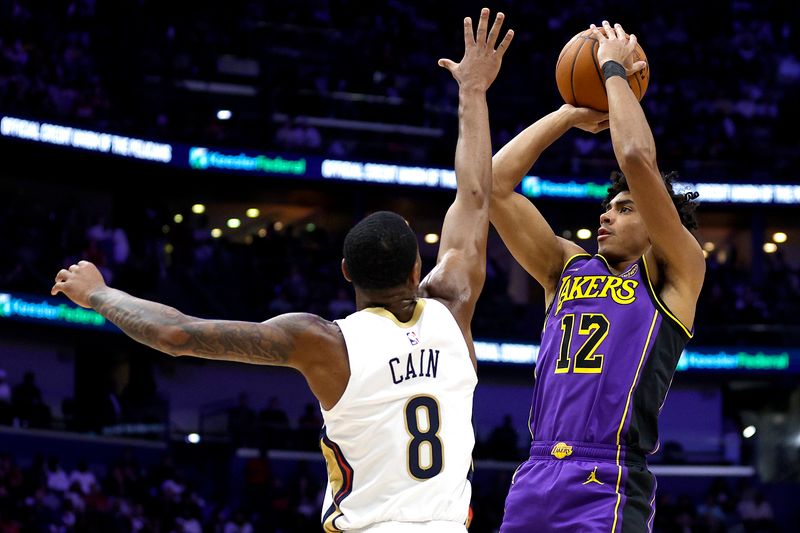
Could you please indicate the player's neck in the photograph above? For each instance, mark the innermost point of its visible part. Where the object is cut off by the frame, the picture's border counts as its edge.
(618, 265)
(400, 301)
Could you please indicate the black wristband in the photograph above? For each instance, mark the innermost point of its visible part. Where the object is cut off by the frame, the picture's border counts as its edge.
(612, 68)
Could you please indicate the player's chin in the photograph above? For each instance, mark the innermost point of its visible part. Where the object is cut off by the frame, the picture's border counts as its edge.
(604, 248)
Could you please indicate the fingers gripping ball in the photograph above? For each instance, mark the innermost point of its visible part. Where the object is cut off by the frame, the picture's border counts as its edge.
(580, 80)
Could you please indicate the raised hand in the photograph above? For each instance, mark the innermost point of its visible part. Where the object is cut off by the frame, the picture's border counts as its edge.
(587, 119)
(616, 45)
(78, 282)
(481, 62)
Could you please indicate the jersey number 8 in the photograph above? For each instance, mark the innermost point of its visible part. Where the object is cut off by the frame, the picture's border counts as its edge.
(427, 439)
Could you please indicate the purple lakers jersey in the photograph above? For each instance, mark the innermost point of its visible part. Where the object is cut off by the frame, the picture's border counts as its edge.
(609, 350)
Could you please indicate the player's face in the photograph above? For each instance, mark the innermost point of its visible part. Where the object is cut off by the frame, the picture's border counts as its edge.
(622, 234)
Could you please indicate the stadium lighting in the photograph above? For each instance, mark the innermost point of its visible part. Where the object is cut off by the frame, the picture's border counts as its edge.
(584, 234)
(193, 438)
(224, 114)
(779, 237)
(178, 218)
(233, 223)
(216, 233)
(198, 209)
(748, 432)
(431, 238)
(252, 212)
(709, 246)
(770, 247)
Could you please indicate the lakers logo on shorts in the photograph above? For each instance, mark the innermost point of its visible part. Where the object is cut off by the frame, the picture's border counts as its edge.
(561, 450)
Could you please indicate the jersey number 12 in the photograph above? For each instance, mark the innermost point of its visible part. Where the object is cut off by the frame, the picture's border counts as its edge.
(587, 361)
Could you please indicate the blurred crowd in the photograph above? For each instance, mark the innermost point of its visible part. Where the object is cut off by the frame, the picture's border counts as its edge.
(185, 495)
(720, 100)
(719, 103)
(354, 80)
(126, 497)
(284, 268)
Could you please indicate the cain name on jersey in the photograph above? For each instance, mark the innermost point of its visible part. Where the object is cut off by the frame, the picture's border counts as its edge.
(417, 365)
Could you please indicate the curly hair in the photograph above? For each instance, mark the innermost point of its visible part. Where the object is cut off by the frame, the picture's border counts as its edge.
(684, 201)
(380, 251)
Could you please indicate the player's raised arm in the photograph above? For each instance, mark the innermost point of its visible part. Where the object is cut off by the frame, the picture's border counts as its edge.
(286, 340)
(460, 271)
(676, 250)
(522, 227)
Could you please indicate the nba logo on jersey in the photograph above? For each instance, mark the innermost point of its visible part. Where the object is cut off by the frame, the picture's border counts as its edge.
(412, 338)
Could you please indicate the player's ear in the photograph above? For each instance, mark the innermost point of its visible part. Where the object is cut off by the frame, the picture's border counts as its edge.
(416, 272)
(345, 273)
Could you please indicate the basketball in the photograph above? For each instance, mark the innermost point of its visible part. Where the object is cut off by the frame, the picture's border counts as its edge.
(580, 80)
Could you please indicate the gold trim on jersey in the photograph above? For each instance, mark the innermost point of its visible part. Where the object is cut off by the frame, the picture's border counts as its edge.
(530, 419)
(336, 479)
(328, 525)
(651, 290)
(660, 304)
(608, 267)
(625, 415)
(558, 284)
(380, 311)
(340, 477)
(571, 259)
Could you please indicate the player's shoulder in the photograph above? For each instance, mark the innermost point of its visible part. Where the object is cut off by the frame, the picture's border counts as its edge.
(309, 327)
(571, 253)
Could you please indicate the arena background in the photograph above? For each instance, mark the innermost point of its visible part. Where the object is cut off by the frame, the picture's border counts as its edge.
(119, 117)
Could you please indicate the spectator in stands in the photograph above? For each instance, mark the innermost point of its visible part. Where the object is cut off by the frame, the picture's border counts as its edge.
(756, 512)
(274, 425)
(710, 516)
(102, 408)
(237, 524)
(241, 421)
(308, 427)
(26, 399)
(57, 479)
(84, 477)
(502, 443)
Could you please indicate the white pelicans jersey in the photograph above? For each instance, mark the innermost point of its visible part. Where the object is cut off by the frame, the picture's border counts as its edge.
(398, 444)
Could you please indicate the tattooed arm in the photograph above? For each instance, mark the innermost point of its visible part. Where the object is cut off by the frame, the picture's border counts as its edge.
(294, 339)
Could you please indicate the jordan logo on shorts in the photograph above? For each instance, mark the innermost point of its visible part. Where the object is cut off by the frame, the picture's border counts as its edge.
(593, 478)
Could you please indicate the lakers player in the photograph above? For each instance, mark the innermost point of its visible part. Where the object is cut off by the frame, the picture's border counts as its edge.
(616, 322)
(394, 380)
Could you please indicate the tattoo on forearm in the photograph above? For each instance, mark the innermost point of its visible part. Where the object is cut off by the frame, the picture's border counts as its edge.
(139, 319)
(246, 342)
(168, 330)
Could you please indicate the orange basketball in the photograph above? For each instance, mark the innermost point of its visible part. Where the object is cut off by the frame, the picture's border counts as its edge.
(580, 80)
